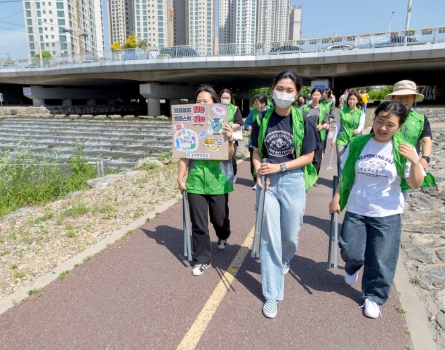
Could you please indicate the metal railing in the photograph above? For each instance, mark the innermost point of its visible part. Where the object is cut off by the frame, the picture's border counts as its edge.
(339, 43)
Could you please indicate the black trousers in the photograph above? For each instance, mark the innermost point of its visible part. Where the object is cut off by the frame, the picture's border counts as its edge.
(200, 206)
(252, 168)
(235, 165)
(318, 156)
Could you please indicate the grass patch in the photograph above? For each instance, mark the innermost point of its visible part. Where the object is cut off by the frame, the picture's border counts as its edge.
(28, 180)
(164, 156)
(400, 310)
(32, 291)
(45, 217)
(71, 234)
(414, 281)
(63, 275)
(408, 333)
(13, 266)
(147, 166)
(89, 257)
(18, 274)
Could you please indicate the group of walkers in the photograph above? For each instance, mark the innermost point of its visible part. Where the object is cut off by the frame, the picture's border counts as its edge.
(373, 169)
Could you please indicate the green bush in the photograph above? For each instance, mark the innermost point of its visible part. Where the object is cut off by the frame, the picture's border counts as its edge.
(27, 180)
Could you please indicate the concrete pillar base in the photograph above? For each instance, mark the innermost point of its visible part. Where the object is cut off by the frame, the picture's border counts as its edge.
(153, 106)
(38, 102)
(91, 102)
(67, 102)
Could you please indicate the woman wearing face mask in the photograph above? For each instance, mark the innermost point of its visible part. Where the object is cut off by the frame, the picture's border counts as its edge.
(319, 113)
(208, 185)
(301, 101)
(235, 118)
(260, 104)
(348, 124)
(370, 234)
(288, 141)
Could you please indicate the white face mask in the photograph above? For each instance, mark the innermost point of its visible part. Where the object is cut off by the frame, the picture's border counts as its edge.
(283, 100)
(225, 102)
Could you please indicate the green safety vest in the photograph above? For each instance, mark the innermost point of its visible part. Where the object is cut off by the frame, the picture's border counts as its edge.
(231, 109)
(328, 104)
(209, 177)
(322, 112)
(412, 128)
(309, 172)
(349, 121)
(355, 149)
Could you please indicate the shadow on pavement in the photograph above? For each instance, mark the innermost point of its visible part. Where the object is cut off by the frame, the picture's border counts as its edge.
(325, 182)
(171, 238)
(314, 275)
(322, 224)
(245, 182)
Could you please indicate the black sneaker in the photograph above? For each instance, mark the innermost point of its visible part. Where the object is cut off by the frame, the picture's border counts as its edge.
(222, 243)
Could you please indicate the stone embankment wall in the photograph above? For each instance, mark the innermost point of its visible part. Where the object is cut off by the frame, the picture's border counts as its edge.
(434, 114)
(423, 239)
(49, 112)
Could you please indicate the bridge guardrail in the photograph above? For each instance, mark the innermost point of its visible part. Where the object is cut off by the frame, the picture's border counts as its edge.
(339, 43)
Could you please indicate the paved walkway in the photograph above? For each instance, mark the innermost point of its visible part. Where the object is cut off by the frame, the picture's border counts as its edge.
(140, 294)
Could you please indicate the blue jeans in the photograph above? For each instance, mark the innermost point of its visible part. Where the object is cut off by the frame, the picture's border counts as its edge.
(364, 108)
(284, 206)
(374, 243)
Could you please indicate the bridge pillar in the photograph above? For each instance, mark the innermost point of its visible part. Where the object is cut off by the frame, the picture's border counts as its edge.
(153, 106)
(67, 102)
(246, 108)
(38, 102)
(91, 102)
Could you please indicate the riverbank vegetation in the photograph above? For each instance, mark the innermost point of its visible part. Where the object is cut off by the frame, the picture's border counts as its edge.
(27, 180)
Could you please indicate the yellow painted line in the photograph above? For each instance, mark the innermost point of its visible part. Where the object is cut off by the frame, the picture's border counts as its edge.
(198, 327)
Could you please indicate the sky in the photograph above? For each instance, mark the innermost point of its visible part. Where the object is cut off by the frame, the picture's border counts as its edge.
(320, 19)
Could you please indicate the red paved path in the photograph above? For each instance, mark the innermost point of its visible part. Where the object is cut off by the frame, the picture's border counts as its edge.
(140, 294)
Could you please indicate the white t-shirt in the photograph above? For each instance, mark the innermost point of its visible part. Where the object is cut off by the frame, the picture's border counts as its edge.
(376, 190)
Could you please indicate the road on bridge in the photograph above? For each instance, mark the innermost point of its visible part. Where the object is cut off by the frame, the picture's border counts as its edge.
(140, 294)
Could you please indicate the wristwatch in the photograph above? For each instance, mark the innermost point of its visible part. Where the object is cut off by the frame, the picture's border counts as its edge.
(427, 159)
(283, 166)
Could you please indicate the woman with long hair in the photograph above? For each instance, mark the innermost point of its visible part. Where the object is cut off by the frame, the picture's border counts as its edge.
(349, 124)
(208, 185)
(288, 141)
(319, 113)
(235, 119)
(370, 188)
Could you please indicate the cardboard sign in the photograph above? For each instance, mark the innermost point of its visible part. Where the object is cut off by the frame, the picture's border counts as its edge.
(197, 131)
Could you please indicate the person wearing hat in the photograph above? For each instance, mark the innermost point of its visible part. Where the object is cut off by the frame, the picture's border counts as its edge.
(416, 129)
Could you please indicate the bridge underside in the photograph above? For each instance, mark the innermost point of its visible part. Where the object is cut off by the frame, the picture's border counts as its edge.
(424, 72)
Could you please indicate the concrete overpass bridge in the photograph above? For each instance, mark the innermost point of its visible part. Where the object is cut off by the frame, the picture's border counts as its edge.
(160, 76)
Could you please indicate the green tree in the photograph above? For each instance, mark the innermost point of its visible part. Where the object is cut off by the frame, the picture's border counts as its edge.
(305, 90)
(143, 44)
(45, 54)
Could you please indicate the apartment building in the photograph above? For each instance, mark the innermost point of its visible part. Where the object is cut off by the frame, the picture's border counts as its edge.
(64, 27)
(120, 20)
(200, 24)
(227, 20)
(273, 20)
(295, 15)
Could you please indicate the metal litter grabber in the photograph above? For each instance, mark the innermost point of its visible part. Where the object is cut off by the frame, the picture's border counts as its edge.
(185, 215)
(333, 231)
(330, 158)
(259, 218)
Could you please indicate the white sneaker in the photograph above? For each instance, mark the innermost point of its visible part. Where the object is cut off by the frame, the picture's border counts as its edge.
(254, 187)
(235, 178)
(270, 308)
(351, 279)
(372, 309)
(199, 269)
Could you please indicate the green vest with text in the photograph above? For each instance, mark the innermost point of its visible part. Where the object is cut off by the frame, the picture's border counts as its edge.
(231, 109)
(412, 128)
(349, 122)
(310, 174)
(322, 112)
(355, 149)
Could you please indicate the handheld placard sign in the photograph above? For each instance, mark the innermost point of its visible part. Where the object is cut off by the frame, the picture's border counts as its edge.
(197, 131)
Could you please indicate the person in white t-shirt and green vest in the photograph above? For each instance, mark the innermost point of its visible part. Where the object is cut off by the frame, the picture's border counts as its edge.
(374, 168)
(416, 130)
(349, 123)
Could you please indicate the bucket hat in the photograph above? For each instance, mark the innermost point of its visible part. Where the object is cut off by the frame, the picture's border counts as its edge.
(405, 87)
